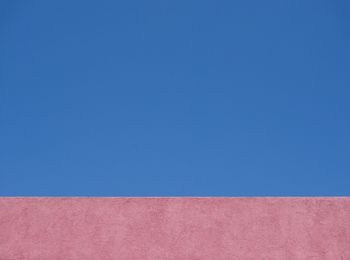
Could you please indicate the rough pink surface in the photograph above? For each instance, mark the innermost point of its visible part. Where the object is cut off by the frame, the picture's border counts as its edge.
(174, 228)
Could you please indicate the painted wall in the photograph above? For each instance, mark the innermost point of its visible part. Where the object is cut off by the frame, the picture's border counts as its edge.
(174, 228)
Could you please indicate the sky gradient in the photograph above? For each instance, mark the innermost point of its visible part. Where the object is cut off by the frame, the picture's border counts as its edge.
(174, 98)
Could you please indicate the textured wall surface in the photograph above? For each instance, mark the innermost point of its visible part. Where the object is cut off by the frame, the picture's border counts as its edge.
(174, 228)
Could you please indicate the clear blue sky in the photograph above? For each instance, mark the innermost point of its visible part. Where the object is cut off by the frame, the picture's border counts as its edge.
(156, 98)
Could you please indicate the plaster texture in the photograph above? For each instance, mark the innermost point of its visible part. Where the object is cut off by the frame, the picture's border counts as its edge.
(174, 228)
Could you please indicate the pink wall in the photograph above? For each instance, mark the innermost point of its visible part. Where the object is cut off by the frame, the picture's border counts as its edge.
(174, 228)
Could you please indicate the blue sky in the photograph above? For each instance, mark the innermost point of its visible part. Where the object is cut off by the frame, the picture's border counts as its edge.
(174, 98)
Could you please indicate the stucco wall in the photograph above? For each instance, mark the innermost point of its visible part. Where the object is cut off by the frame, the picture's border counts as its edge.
(174, 228)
